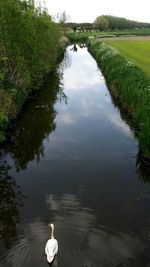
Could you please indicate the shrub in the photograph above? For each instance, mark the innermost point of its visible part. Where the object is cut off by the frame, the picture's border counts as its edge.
(29, 49)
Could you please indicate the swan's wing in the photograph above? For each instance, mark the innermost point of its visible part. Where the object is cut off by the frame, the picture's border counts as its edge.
(51, 249)
(56, 247)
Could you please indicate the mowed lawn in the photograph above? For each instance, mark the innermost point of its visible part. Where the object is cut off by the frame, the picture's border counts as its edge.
(135, 50)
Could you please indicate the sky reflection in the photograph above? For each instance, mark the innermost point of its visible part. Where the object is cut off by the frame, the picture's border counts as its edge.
(89, 115)
(77, 170)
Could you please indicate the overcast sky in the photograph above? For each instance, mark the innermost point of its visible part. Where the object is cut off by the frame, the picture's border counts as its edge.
(88, 10)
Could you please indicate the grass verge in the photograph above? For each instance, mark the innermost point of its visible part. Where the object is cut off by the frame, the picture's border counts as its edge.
(137, 50)
(128, 83)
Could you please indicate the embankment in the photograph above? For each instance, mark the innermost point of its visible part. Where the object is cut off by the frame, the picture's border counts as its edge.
(129, 85)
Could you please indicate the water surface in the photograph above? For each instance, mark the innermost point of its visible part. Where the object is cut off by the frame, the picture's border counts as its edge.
(75, 162)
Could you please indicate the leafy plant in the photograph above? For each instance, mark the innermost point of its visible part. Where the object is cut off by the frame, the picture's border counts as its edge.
(29, 49)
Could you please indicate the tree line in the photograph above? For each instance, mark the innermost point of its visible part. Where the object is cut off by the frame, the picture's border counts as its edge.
(107, 22)
(29, 49)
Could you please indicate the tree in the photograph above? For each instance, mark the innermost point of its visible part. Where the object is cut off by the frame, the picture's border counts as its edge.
(62, 18)
(101, 23)
(29, 49)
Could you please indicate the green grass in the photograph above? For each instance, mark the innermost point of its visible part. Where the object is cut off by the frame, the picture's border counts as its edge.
(129, 85)
(136, 50)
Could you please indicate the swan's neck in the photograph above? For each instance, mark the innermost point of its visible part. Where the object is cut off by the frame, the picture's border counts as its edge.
(52, 231)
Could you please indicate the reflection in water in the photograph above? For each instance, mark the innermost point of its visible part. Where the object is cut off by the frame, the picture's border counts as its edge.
(83, 45)
(89, 245)
(74, 48)
(28, 141)
(29, 250)
(142, 168)
(84, 179)
(10, 201)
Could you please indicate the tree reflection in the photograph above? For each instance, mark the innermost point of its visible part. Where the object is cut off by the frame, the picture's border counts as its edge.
(83, 45)
(74, 48)
(10, 201)
(37, 122)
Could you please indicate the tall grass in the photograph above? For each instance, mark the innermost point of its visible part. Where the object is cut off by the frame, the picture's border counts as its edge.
(129, 84)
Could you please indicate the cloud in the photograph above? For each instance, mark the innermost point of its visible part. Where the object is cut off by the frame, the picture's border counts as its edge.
(87, 11)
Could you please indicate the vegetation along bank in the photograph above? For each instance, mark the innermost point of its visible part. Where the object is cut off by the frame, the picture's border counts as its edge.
(129, 84)
(134, 48)
(29, 49)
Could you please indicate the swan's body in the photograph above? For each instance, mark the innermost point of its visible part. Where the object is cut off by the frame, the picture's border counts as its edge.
(51, 248)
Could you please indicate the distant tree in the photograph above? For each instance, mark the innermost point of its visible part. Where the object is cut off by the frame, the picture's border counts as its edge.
(118, 23)
(101, 23)
(62, 18)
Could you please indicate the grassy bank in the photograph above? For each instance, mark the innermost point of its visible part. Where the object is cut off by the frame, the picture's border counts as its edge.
(129, 84)
(29, 49)
(136, 50)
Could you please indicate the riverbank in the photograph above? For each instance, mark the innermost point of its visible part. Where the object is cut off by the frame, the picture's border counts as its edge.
(129, 84)
(135, 49)
(27, 56)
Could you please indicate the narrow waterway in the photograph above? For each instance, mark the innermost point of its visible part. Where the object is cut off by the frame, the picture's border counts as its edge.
(75, 162)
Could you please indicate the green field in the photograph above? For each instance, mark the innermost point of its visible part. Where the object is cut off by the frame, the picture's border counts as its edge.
(136, 50)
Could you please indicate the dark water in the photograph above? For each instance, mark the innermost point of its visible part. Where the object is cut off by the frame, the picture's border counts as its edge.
(73, 161)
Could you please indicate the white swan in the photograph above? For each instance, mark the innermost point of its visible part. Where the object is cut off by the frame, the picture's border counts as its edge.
(51, 247)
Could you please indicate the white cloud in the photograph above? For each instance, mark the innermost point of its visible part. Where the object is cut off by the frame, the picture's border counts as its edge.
(87, 11)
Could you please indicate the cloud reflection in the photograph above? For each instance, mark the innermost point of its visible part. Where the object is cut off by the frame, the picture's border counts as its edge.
(97, 108)
(84, 75)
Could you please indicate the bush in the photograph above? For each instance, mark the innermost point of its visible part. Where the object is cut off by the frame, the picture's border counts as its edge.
(29, 49)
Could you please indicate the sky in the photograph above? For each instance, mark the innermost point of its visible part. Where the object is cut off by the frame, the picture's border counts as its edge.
(88, 10)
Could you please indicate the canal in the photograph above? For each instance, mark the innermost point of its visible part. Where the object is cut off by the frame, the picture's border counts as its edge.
(73, 160)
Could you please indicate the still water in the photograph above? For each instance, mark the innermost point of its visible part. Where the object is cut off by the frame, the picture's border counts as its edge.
(74, 161)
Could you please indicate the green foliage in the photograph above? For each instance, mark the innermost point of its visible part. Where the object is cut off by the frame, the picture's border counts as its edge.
(3, 123)
(137, 50)
(29, 48)
(7, 104)
(112, 23)
(3, 120)
(122, 23)
(101, 23)
(127, 83)
(79, 36)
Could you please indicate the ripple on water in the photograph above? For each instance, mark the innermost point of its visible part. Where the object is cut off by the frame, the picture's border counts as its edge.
(88, 244)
